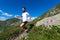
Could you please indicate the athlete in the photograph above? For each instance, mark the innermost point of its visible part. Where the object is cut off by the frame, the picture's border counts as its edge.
(25, 16)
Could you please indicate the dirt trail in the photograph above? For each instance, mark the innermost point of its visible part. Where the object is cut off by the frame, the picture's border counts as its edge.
(23, 34)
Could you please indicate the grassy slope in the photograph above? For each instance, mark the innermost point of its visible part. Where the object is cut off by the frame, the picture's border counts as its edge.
(7, 30)
(42, 33)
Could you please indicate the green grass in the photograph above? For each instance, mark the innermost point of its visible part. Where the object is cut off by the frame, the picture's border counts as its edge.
(9, 32)
(42, 33)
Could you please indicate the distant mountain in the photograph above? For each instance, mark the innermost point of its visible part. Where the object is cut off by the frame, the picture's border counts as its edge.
(9, 27)
(8, 22)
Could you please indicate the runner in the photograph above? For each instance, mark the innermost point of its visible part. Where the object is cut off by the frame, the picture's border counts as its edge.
(24, 17)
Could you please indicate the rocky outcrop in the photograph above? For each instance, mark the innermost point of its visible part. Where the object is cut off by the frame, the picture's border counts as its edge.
(53, 20)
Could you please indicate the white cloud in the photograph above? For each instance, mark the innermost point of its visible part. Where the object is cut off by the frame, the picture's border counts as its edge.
(6, 14)
(16, 15)
(2, 18)
(33, 18)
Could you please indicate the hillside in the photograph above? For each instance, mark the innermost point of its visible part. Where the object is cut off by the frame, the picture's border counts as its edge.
(53, 20)
(53, 11)
(41, 30)
(9, 28)
(8, 21)
(52, 17)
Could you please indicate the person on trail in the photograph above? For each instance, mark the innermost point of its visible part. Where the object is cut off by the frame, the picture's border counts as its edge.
(25, 16)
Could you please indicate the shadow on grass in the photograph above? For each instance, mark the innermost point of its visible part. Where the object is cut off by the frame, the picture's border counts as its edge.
(31, 26)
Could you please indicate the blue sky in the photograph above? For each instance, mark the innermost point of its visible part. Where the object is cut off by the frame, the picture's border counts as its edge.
(11, 8)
